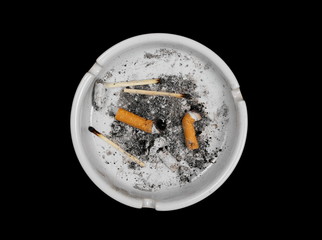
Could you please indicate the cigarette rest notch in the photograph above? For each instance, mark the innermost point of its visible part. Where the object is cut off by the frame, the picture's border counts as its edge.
(148, 203)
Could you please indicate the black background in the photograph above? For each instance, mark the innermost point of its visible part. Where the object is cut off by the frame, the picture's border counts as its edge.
(58, 193)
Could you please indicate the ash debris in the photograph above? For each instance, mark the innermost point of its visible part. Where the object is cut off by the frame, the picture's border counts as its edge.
(167, 112)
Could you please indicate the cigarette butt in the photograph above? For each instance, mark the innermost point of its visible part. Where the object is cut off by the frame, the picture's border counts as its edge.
(168, 160)
(135, 121)
(189, 130)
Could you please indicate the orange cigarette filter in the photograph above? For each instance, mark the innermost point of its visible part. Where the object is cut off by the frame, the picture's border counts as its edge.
(134, 120)
(189, 129)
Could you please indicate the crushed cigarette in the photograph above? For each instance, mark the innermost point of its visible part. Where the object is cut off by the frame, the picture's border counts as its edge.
(168, 160)
(98, 95)
(135, 121)
(134, 159)
(132, 83)
(189, 130)
(155, 93)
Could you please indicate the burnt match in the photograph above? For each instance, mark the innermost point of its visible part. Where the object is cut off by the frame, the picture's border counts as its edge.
(155, 93)
(132, 83)
(101, 136)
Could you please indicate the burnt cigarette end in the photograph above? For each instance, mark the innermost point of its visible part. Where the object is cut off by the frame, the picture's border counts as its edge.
(93, 130)
(160, 124)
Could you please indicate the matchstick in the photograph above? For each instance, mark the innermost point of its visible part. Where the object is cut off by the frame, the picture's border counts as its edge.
(189, 130)
(132, 83)
(154, 93)
(135, 121)
(134, 159)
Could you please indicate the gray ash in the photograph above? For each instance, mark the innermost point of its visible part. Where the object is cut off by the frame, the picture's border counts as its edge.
(167, 113)
(161, 53)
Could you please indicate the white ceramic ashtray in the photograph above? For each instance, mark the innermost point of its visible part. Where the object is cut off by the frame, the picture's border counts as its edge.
(145, 147)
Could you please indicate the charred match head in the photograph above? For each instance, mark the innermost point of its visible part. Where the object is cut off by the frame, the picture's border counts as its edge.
(187, 96)
(162, 80)
(93, 130)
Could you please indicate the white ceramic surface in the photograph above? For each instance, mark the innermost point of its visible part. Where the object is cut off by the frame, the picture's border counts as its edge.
(127, 61)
